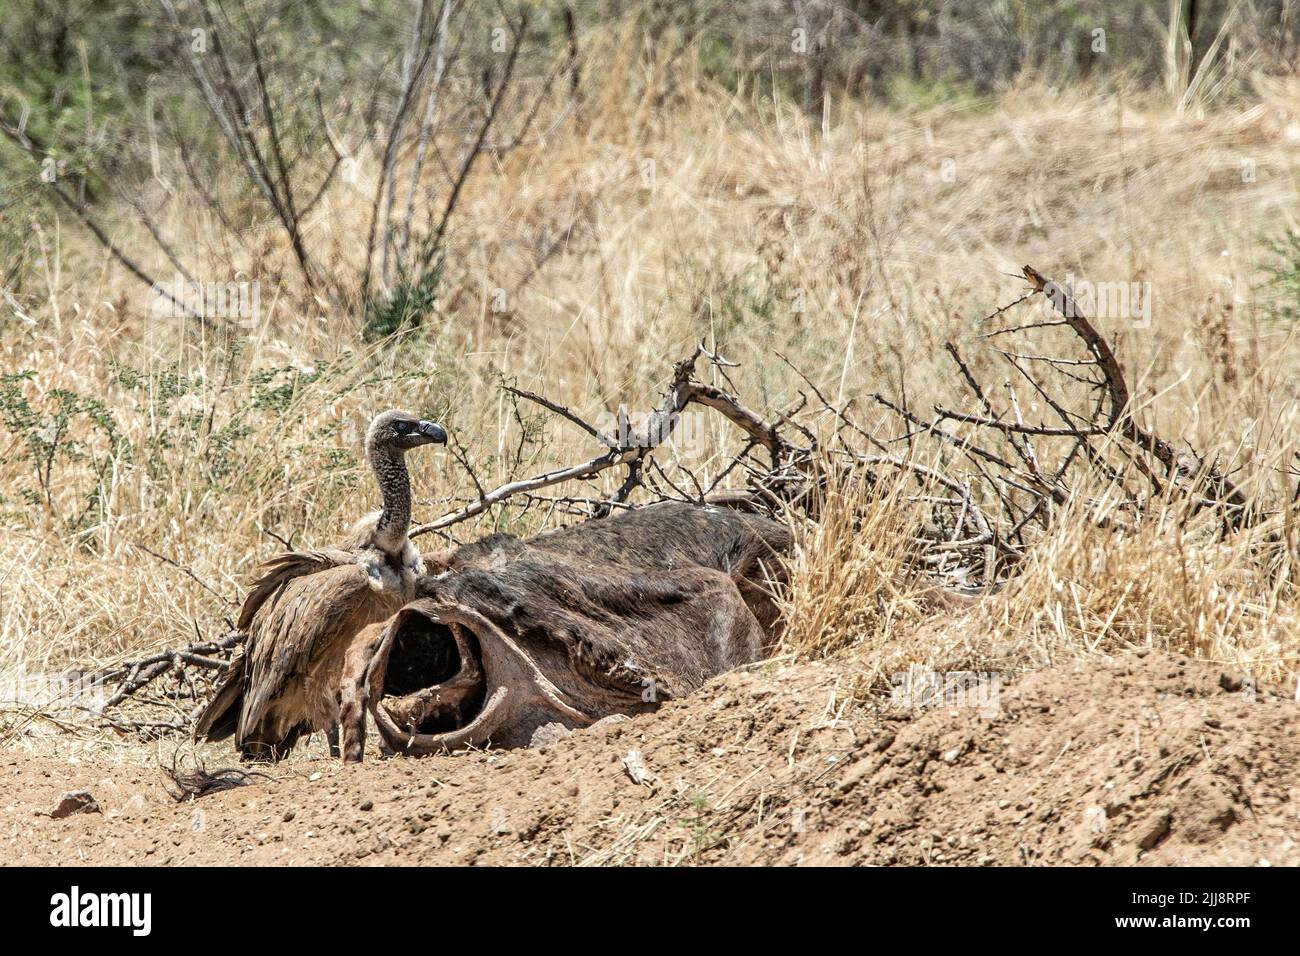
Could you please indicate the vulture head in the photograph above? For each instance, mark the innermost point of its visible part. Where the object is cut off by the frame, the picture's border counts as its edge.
(398, 431)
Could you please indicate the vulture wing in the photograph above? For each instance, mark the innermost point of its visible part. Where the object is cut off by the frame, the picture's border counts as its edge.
(297, 620)
(283, 568)
(220, 716)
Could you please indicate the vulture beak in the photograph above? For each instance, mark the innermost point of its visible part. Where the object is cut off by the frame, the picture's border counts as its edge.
(432, 433)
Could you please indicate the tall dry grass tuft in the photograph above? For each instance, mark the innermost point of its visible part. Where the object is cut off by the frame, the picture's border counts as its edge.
(1172, 583)
(853, 584)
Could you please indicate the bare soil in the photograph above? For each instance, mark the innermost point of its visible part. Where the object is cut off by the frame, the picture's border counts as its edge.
(1148, 759)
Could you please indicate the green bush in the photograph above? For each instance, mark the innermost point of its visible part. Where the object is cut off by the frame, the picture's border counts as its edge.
(406, 307)
(1283, 274)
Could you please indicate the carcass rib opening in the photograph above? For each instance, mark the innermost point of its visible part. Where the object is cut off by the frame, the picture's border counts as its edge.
(433, 681)
(424, 653)
(495, 694)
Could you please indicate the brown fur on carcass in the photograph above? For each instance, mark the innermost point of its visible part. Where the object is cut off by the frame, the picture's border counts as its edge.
(607, 616)
(668, 536)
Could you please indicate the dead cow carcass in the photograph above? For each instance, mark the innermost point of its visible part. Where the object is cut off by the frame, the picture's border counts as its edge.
(607, 617)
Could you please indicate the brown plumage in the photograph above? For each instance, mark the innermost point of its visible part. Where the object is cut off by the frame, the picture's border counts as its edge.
(306, 607)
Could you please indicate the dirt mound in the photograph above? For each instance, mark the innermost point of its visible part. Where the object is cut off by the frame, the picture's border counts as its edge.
(1147, 759)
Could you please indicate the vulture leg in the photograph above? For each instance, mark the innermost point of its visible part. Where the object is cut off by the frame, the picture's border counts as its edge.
(354, 696)
(352, 719)
(332, 735)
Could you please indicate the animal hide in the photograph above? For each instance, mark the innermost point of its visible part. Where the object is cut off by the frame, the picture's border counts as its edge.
(611, 616)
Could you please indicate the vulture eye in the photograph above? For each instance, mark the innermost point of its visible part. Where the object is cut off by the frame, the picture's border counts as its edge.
(403, 427)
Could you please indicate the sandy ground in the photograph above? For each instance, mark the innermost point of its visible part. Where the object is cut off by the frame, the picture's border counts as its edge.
(1148, 759)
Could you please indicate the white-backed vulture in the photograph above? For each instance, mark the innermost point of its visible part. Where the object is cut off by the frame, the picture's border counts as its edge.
(306, 607)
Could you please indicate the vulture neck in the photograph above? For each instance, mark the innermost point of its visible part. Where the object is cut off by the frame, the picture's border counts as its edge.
(389, 465)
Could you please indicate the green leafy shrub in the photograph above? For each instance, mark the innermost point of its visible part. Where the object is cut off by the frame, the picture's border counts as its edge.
(406, 307)
(1283, 274)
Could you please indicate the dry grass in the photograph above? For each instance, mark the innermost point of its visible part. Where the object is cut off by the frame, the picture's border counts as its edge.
(854, 255)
